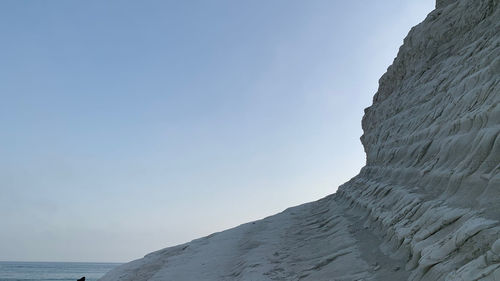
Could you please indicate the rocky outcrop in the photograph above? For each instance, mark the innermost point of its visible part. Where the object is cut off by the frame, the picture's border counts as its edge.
(431, 184)
(427, 204)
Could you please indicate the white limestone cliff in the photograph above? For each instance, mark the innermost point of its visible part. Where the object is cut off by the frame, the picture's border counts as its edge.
(427, 204)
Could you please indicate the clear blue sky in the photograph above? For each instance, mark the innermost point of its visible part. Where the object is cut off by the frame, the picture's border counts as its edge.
(129, 126)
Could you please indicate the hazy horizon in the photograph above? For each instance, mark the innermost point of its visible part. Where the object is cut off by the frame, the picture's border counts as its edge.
(132, 126)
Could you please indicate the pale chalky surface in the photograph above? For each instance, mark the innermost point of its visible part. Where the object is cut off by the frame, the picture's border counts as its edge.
(427, 204)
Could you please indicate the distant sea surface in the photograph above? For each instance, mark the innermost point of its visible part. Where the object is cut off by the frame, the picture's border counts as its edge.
(53, 271)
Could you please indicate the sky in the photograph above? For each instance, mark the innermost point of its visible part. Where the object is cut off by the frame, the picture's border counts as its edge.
(130, 126)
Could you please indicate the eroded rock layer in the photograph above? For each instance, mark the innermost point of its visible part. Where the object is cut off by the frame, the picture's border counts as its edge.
(427, 204)
(431, 185)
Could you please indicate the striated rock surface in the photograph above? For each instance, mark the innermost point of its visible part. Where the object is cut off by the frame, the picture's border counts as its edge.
(427, 204)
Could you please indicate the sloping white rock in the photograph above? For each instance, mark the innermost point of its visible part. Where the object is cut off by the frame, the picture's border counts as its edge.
(309, 242)
(427, 204)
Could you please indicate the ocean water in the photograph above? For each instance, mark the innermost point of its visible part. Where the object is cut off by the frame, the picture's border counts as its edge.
(53, 271)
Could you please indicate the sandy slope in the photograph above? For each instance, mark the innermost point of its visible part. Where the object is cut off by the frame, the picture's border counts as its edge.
(427, 204)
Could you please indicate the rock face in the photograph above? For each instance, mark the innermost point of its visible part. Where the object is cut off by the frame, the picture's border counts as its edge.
(442, 3)
(427, 204)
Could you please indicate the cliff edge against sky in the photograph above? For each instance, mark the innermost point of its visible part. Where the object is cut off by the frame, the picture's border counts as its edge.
(427, 204)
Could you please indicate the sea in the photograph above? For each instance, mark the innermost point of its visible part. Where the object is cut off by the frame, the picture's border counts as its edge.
(53, 271)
